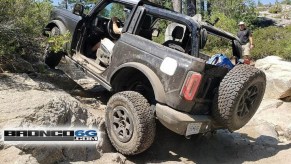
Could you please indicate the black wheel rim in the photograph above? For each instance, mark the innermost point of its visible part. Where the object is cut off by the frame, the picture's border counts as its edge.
(247, 101)
(122, 124)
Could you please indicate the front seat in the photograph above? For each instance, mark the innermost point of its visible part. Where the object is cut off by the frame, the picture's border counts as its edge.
(177, 33)
(104, 52)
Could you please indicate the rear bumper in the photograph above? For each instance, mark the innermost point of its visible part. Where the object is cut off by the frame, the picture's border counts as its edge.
(183, 123)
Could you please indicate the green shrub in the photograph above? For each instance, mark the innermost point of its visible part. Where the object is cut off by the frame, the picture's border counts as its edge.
(215, 44)
(57, 42)
(275, 9)
(21, 24)
(224, 22)
(237, 10)
(272, 41)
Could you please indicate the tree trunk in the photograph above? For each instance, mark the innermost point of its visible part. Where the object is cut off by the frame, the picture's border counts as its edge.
(177, 5)
(66, 4)
(202, 9)
(191, 7)
(209, 5)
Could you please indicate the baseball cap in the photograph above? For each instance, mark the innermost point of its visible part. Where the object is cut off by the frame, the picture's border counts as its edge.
(241, 23)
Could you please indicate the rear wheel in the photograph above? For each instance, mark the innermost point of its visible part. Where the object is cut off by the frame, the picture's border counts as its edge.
(52, 59)
(130, 122)
(239, 96)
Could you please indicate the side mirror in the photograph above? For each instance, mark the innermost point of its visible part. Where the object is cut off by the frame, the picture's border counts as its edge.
(156, 32)
(78, 9)
(126, 10)
(216, 21)
(203, 38)
(213, 23)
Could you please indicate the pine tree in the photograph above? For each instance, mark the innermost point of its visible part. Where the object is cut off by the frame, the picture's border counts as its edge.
(287, 2)
(260, 3)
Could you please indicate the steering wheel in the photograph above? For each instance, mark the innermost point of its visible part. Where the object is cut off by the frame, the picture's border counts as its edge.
(110, 28)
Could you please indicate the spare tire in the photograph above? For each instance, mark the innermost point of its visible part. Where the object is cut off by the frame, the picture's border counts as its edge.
(240, 94)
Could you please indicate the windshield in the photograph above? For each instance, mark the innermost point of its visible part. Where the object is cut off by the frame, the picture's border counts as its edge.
(69, 6)
(115, 10)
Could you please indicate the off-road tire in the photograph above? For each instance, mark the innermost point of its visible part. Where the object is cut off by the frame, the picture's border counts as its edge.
(240, 94)
(141, 116)
(176, 47)
(52, 59)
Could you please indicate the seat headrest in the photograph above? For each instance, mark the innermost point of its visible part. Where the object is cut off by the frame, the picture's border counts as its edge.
(178, 32)
(147, 22)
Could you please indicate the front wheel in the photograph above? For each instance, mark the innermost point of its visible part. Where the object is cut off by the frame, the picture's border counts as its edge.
(130, 122)
(52, 59)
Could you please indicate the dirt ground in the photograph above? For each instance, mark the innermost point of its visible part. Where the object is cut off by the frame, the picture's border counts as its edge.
(222, 147)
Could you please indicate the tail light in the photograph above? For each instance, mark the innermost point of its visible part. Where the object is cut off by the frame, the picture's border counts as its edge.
(191, 85)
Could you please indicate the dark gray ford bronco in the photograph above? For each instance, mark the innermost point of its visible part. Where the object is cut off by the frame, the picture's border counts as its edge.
(157, 76)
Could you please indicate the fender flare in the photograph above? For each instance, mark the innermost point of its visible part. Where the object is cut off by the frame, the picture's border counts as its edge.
(156, 83)
(59, 24)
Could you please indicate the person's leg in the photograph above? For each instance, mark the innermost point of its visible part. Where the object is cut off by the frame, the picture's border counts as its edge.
(93, 45)
(246, 53)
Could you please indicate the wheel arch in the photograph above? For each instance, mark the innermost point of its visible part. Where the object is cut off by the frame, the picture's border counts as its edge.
(154, 80)
(57, 23)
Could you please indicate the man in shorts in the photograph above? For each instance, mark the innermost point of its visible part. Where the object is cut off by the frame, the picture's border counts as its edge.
(246, 37)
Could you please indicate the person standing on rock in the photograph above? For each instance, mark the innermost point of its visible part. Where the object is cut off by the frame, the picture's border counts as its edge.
(246, 37)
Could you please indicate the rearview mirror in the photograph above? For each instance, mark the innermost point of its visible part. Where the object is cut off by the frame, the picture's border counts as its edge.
(156, 32)
(78, 9)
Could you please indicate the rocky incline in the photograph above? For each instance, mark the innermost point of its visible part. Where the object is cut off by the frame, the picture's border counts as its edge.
(53, 99)
(281, 19)
(33, 102)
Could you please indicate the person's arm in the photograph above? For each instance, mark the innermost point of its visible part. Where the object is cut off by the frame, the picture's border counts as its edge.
(116, 29)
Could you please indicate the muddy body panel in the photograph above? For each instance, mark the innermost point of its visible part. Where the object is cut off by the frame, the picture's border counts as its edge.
(132, 48)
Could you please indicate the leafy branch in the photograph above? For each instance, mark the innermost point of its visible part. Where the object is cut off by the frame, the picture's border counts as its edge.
(57, 43)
